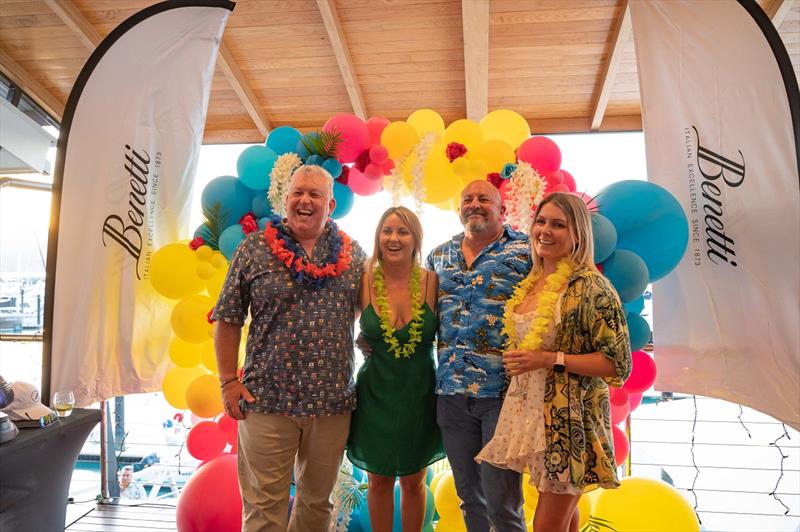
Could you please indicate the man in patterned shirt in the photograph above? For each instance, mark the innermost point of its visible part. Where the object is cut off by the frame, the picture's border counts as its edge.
(477, 272)
(299, 280)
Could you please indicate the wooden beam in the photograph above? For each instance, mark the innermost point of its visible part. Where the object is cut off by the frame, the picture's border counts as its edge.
(20, 77)
(74, 19)
(622, 32)
(475, 28)
(242, 89)
(342, 52)
(778, 10)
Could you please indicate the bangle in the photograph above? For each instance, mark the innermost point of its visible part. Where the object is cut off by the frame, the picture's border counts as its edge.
(227, 382)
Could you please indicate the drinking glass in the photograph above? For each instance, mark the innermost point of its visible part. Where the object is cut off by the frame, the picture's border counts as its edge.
(64, 402)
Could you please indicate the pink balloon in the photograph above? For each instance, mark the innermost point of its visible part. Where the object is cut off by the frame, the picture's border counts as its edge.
(376, 125)
(541, 153)
(362, 185)
(591, 204)
(643, 373)
(387, 167)
(621, 445)
(206, 440)
(554, 178)
(354, 134)
(619, 405)
(211, 499)
(378, 154)
(227, 423)
(373, 171)
(635, 399)
(561, 187)
(569, 181)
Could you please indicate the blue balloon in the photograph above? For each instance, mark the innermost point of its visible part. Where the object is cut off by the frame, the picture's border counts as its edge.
(649, 221)
(344, 200)
(605, 237)
(234, 199)
(639, 330)
(300, 149)
(315, 159)
(355, 521)
(204, 231)
(230, 239)
(636, 306)
(627, 272)
(260, 206)
(283, 139)
(262, 222)
(333, 167)
(359, 475)
(254, 165)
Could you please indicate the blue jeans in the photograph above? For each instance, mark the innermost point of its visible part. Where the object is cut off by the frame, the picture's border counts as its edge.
(491, 497)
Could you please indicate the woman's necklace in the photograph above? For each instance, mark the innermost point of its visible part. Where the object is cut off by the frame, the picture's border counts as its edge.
(415, 327)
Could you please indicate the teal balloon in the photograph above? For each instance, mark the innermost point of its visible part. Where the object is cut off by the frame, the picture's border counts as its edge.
(604, 235)
(333, 167)
(262, 222)
(203, 231)
(355, 522)
(283, 139)
(636, 306)
(639, 331)
(344, 200)
(301, 149)
(315, 160)
(627, 272)
(234, 199)
(254, 165)
(359, 474)
(260, 206)
(230, 239)
(429, 476)
(649, 221)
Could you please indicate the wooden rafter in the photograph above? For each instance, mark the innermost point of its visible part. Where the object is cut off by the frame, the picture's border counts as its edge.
(20, 77)
(778, 11)
(475, 28)
(342, 52)
(242, 89)
(74, 19)
(621, 34)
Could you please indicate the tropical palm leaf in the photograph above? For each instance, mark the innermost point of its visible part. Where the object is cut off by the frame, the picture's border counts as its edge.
(214, 219)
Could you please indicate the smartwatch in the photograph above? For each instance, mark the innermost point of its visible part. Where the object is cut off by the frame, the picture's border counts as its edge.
(559, 366)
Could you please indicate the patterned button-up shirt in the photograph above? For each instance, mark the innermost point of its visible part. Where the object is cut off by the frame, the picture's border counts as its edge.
(300, 357)
(471, 303)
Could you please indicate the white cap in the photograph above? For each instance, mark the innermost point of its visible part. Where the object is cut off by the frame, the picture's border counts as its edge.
(26, 403)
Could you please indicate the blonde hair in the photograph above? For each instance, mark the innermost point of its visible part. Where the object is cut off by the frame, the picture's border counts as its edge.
(579, 222)
(411, 221)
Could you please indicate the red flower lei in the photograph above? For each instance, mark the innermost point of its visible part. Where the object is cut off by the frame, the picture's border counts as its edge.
(302, 266)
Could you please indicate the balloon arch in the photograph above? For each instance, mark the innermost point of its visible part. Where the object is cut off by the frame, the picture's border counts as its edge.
(640, 235)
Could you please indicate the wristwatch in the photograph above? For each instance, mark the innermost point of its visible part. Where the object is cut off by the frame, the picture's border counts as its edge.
(559, 366)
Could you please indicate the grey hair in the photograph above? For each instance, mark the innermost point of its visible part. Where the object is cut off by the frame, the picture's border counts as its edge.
(313, 169)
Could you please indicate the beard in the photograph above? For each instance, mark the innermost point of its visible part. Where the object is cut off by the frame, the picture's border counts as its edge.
(475, 225)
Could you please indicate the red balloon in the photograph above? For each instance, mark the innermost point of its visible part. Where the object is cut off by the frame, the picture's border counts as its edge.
(373, 171)
(227, 423)
(355, 136)
(387, 167)
(211, 499)
(561, 187)
(206, 440)
(591, 204)
(621, 445)
(503, 186)
(361, 184)
(569, 181)
(541, 153)
(378, 154)
(376, 125)
(643, 373)
(635, 400)
(619, 405)
(234, 446)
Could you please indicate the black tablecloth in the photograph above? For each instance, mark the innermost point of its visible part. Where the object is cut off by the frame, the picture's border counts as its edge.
(35, 472)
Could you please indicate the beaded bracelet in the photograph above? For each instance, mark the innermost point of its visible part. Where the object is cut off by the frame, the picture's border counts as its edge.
(223, 384)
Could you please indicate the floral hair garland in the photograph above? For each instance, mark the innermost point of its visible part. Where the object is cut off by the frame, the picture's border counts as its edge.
(415, 327)
(286, 250)
(279, 180)
(524, 192)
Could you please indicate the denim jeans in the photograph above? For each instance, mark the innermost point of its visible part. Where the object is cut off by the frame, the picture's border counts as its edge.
(491, 497)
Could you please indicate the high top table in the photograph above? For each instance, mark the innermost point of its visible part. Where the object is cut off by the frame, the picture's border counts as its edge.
(36, 469)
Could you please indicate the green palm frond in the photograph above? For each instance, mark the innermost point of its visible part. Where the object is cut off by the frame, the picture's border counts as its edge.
(598, 524)
(324, 143)
(349, 493)
(214, 219)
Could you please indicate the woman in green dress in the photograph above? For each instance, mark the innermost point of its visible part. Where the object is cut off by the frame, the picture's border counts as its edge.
(393, 432)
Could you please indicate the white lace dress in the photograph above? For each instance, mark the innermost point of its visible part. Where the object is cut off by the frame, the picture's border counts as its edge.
(519, 438)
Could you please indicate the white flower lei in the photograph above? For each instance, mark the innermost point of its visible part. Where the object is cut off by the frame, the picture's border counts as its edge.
(524, 193)
(279, 180)
(422, 149)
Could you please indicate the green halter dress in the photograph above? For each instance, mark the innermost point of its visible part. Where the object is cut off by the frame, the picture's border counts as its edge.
(393, 431)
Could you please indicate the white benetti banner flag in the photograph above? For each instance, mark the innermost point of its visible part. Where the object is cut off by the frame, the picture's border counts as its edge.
(721, 113)
(127, 154)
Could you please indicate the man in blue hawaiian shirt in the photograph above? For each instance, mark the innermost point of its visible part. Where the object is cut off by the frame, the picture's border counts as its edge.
(477, 270)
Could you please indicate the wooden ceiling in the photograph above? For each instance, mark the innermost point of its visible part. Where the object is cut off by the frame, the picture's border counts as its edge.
(565, 65)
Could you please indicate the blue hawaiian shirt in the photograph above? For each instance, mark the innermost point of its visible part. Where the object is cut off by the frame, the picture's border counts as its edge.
(471, 303)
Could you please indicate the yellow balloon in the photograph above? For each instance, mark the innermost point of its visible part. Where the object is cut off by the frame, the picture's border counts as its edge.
(205, 270)
(426, 121)
(529, 492)
(494, 154)
(461, 167)
(218, 260)
(477, 168)
(464, 132)
(435, 481)
(176, 382)
(451, 524)
(398, 138)
(190, 318)
(183, 353)
(438, 178)
(584, 510)
(204, 397)
(215, 282)
(204, 253)
(446, 500)
(645, 505)
(173, 271)
(505, 125)
(208, 356)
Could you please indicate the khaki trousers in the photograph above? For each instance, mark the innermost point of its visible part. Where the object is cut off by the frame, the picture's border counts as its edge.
(269, 445)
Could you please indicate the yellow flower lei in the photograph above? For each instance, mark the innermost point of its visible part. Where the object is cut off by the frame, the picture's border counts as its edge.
(415, 329)
(545, 309)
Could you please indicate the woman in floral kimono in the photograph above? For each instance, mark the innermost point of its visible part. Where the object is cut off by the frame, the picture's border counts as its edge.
(567, 342)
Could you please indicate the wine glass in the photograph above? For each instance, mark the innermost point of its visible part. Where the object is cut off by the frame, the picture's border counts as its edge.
(64, 402)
